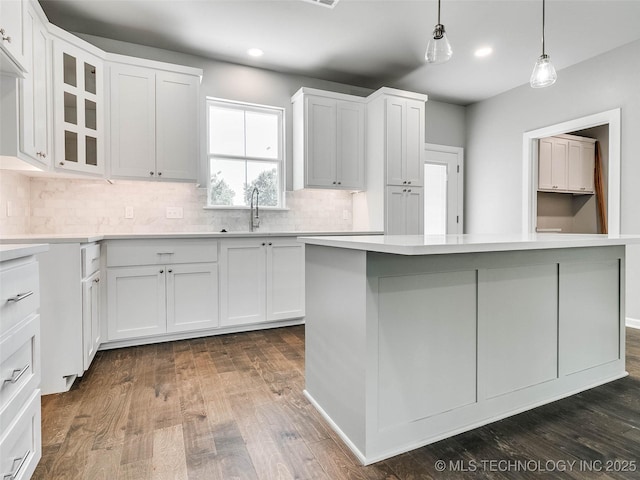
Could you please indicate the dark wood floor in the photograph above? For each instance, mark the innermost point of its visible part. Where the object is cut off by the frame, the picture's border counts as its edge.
(231, 407)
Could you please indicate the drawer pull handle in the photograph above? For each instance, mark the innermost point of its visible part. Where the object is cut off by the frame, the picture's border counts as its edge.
(14, 474)
(164, 253)
(16, 374)
(20, 296)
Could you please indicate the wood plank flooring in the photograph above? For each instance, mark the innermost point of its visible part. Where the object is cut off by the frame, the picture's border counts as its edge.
(231, 407)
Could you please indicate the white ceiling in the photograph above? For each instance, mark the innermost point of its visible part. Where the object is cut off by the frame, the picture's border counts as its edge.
(369, 43)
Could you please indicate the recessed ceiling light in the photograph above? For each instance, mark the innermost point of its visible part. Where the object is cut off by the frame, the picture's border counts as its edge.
(483, 52)
(255, 52)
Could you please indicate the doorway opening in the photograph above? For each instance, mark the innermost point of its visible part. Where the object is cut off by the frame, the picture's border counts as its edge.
(443, 189)
(544, 211)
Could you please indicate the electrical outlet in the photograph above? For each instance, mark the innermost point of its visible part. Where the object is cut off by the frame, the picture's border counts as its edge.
(128, 212)
(174, 212)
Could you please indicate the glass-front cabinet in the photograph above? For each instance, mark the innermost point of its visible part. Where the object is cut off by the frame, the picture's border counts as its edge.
(78, 109)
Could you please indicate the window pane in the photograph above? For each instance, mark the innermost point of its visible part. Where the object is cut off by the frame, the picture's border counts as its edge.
(435, 199)
(262, 134)
(263, 176)
(226, 131)
(227, 182)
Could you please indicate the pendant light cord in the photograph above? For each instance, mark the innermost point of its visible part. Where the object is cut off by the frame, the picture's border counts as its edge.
(543, 16)
(438, 12)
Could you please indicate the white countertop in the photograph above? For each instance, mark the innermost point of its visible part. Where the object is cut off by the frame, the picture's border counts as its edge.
(446, 244)
(88, 238)
(10, 252)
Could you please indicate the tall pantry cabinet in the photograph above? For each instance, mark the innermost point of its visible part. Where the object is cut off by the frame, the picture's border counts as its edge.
(395, 155)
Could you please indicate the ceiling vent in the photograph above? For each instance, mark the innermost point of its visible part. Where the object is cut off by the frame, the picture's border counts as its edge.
(324, 3)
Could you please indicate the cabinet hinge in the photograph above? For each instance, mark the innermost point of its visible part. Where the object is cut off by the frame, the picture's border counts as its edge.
(457, 218)
(458, 168)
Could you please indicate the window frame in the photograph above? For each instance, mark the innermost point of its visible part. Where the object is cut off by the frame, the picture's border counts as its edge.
(280, 160)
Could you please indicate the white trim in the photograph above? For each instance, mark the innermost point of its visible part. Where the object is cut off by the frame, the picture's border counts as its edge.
(459, 151)
(529, 173)
(633, 322)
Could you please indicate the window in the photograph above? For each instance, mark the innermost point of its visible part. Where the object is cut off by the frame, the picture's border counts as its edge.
(245, 150)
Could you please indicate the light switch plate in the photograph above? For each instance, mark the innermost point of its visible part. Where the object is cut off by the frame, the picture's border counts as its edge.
(174, 212)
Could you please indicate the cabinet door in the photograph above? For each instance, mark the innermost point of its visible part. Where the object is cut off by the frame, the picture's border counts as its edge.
(35, 132)
(350, 145)
(395, 211)
(192, 297)
(414, 211)
(91, 328)
(136, 302)
(133, 121)
(413, 164)
(177, 126)
(395, 140)
(545, 148)
(12, 19)
(242, 282)
(581, 166)
(321, 142)
(559, 164)
(285, 279)
(78, 109)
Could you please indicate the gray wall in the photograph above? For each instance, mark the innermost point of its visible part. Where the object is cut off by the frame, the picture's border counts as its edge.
(267, 87)
(493, 157)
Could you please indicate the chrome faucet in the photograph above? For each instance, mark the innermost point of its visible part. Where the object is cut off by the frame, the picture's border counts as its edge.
(254, 220)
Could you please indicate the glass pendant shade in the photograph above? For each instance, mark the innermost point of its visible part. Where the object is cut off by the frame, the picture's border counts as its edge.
(438, 49)
(544, 74)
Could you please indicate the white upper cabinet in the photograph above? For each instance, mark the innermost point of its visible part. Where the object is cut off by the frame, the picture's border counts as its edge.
(329, 144)
(12, 36)
(153, 122)
(35, 93)
(566, 164)
(404, 134)
(78, 109)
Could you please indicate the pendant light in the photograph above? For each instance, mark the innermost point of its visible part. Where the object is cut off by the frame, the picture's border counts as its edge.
(439, 48)
(543, 73)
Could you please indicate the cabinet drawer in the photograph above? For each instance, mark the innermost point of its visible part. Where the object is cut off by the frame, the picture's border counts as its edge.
(19, 366)
(90, 259)
(19, 294)
(21, 447)
(160, 252)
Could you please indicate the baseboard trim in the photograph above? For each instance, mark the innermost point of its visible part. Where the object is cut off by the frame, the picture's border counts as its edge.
(633, 322)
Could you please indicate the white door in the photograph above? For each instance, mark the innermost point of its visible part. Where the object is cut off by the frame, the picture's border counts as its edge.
(136, 303)
(90, 318)
(242, 282)
(443, 190)
(176, 126)
(192, 297)
(133, 121)
(321, 141)
(285, 279)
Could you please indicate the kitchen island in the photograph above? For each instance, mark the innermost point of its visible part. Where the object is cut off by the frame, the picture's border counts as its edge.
(412, 339)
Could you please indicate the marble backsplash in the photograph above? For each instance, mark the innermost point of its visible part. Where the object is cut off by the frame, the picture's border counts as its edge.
(61, 205)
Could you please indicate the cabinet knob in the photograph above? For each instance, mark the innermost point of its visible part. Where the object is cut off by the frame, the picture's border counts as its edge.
(97, 280)
(161, 271)
(339, 183)
(404, 183)
(5, 38)
(44, 155)
(170, 271)
(408, 183)
(270, 243)
(151, 173)
(263, 244)
(404, 190)
(61, 163)
(334, 183)
(409, 190)
(159, 173)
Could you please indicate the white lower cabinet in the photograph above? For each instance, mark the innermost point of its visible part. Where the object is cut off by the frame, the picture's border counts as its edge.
(155, 299)
(157, 287)
(405, 211)
(262, 280)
